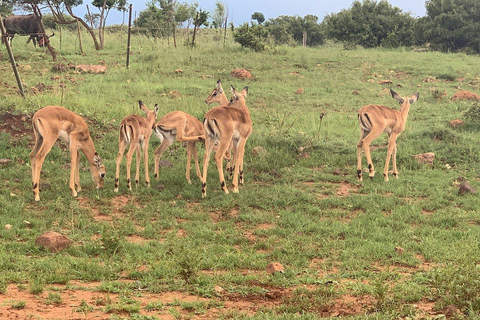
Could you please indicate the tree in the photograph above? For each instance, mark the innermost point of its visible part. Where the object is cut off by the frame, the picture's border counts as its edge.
(452, 25)
(259, 17)
(251, 36)
(6, 8)
(219, 14)
(306, 30)
(201, 18)
(105, 6)
(371, 24)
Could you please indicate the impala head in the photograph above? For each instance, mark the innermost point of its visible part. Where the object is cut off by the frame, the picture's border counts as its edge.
(401, 100)
(151, 115)
(238, 97)
(98, 171)
(216, 95)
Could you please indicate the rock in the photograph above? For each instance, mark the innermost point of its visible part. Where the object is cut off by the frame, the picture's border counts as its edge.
(160, 187)
(465, 95)
(174, 94)
(274, 267)
(218, 289)
(178, 70)
(8, 226)
(300, 91)
(466, 188)
(455, 123)
(399, 250)
(356, 92)
(452, 312)
(259, 151)
(59, 67)
(425, 158)
(53, 241)
(337, 172)
(385, 82)
(165, 164)
(89, 68)
(5, 161)
(241, 74)
(45, 186)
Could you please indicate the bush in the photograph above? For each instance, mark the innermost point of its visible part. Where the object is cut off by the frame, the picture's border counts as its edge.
(253, 37)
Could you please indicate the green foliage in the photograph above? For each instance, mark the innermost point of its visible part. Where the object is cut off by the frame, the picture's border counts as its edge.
(251, 36)
(286, 28)
(218, 16)
(452, 25)
(6, 8)
(473, 113)
(371, 24)
(259, 17)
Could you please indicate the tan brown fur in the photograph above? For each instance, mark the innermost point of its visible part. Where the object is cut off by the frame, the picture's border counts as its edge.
(135, 131)
(52, 123)
(373, 121)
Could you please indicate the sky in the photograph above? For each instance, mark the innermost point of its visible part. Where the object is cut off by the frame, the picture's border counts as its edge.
(240, 11)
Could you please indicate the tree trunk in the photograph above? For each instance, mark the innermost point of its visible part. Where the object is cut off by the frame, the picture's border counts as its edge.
(194, 30)
(101, 26)
(38, 14)
(90, 30)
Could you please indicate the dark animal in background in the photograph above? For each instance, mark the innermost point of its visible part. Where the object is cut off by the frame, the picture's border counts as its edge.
(26, 25)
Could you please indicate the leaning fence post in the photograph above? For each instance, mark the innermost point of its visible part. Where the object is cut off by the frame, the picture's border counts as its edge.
(12, 58)
(129, 32)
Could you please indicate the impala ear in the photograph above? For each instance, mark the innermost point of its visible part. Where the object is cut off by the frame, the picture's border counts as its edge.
(415, 98)
(244, 91)
(142, 106)
(97, 160)
(396, 96)
(219, 86)
(156, 109)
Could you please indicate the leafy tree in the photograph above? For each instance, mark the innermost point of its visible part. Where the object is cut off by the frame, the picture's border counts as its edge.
(219, 14)
(105, 6)
(451, 25)
(201, 19)
(251, 36)
(371, 24)
(285, 29)
(259, 17)
(6, 8)
(152, 20)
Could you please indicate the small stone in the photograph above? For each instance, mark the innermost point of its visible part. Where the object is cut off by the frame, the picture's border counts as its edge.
(300, 91)
(275, 267)
(455, 123)
(178, 70)
(8, 226)
(452, 312)
(165, 164)
(466, 188)
(218, 289)
(4, 161)
(356, 92)
(53, 241)
(259, 151)
(399, 250)
(337, 172)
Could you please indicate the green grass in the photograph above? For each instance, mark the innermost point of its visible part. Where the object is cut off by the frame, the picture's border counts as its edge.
(293, 208)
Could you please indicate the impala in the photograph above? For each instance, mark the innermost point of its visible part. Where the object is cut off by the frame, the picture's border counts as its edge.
(184, 128)
(52, 123)
(376, 119)
(135, 131)
(226, 124)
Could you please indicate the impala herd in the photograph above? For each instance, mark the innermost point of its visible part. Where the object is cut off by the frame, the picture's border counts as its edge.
(225, 130)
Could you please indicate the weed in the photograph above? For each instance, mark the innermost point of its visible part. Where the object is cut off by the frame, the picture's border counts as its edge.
(54, 298)
(19, 305)
(84, 307)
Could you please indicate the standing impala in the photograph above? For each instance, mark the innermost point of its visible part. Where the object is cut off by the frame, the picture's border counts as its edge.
(374, 120)
(52, 123)
(226, 124)
(136, 131)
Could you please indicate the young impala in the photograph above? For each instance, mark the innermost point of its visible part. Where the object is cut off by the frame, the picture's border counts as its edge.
(52, 123)
(226, 124)
(136, 131)
(374, 120)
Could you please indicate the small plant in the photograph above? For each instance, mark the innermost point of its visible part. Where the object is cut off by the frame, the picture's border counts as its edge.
(19, 305)
(54, 298)
(437, 94)
(446, 76)
(84, 307)
(473, 113)
(154, 306)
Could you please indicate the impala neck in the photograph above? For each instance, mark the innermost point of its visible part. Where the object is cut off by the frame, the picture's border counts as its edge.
(223, 99)
(404, 109)
(88, 150)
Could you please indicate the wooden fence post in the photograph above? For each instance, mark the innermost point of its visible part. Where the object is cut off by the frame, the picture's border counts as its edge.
(129, 32)
(12, 58)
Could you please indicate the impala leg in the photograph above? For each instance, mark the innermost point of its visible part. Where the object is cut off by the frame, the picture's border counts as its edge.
(121, 149)
(395, 171)
(209, 144)
(240, 167)
(181, 137)
(158, 154)
(129, 156)
(195, 157)
(239, 151)
(77, 174)
(391, 148)
(137, 163)
(145, 159)
(73, 167)
(189, 162)
(359, 156)
(219, 154)
(374, 134)
(37, 159)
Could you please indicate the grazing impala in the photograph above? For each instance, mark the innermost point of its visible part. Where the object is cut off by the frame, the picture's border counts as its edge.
(52, 123)
(226, 124)
(374, 120)
(136, 131)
